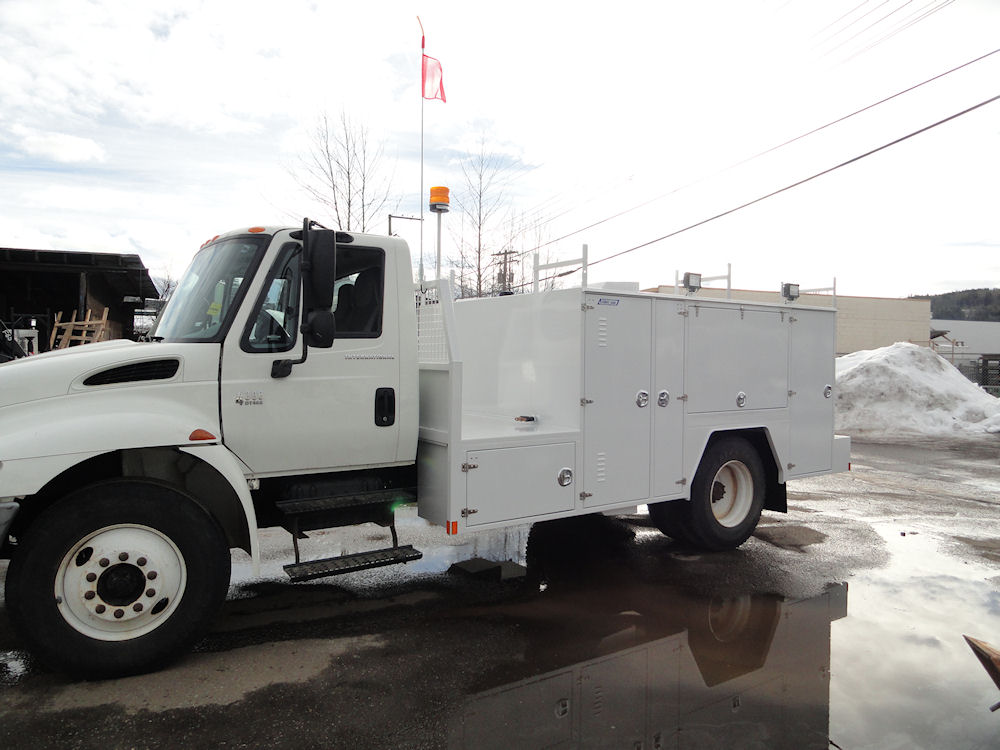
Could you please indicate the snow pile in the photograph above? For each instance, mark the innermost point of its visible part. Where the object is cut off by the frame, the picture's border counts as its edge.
(905, 389)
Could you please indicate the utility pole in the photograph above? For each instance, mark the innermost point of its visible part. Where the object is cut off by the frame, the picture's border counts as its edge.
(505, 276)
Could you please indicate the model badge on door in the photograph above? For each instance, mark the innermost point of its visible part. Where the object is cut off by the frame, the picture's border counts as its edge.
(250, 398)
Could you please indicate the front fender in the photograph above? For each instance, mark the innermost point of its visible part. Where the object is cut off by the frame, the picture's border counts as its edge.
(223, 461)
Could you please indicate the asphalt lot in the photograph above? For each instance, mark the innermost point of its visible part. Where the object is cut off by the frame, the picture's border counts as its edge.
(841, 621)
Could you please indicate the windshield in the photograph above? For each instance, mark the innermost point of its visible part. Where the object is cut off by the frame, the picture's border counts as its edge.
(206, 297)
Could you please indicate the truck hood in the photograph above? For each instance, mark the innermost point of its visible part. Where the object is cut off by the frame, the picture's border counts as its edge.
(107, 364)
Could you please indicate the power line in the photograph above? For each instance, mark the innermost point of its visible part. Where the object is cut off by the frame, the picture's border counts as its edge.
(834, 23)
(760, 154)
(906, 23)
(786, 188)
(869, 27)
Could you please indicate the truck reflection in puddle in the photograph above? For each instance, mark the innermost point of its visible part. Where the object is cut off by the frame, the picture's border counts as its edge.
(616, 662)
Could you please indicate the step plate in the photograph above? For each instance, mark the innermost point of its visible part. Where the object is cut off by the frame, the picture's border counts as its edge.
(333, 566)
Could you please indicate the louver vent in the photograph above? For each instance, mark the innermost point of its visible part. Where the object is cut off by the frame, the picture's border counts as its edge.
(160, 369)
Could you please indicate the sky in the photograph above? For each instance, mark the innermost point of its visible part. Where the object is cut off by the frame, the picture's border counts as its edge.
(149, 128)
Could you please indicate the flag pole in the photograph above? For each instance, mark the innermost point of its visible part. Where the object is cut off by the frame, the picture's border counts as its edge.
(422, 52)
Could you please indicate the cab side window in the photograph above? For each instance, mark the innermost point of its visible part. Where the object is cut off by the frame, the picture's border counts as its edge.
(359, 293)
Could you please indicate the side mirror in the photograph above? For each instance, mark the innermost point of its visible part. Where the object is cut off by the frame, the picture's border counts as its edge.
(319, 274)
(320, 269)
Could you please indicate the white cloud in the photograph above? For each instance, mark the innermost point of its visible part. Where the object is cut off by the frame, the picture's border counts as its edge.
(58, 147)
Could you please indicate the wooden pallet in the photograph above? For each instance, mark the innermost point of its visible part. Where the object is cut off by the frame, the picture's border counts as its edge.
(73, 331)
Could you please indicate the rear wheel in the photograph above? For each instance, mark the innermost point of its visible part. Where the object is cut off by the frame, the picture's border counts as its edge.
(727, 495)
(117, 578)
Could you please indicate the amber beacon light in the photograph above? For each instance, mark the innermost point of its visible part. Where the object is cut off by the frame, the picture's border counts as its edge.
(439, 205)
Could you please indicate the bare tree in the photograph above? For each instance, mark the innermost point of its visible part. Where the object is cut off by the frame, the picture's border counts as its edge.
(482, 200)
(344, 171)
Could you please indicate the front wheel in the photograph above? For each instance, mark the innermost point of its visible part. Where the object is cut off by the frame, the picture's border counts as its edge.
(117, 578)
(727, 495)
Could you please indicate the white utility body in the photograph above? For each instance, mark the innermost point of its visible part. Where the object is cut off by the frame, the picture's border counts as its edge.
(620, 392)
(292, 382)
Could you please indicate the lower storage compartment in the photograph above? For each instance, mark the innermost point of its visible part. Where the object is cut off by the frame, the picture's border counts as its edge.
(506, 484)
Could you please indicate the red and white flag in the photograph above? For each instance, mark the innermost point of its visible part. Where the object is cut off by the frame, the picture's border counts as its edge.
(433, 79)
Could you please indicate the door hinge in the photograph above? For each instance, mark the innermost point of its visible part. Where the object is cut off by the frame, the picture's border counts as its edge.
(466, 512)
(469, 467)
(791, 393)
(586, 307)
(683, 398)
(253, 484)
(585, 495)
(684, 313)
(791, 466)
(792, 319)
(585, 401)
(681, 482)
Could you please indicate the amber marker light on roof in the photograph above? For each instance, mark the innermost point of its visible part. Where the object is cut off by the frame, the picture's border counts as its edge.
(255, 230)
(200, 434)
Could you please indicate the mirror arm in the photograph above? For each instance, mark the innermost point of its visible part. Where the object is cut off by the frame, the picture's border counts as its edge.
(282, 368)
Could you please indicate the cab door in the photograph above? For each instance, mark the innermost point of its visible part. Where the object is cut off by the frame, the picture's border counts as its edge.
(337, 409)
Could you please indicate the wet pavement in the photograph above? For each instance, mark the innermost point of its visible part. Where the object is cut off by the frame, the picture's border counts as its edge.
(838, 625)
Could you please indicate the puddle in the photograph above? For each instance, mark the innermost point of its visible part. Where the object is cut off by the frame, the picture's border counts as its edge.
(746, 671)
(903, 675)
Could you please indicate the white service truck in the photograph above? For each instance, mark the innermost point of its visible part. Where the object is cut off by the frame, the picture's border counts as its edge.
(298, 379)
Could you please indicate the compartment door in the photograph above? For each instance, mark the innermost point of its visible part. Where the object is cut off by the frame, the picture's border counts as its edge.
(810, 371)
(617, 384)
(667, 408)
(505, 484)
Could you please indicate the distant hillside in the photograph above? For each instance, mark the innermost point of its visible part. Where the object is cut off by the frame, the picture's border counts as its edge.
(970, 304)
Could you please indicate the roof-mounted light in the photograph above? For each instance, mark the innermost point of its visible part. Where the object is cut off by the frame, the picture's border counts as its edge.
(790, 292)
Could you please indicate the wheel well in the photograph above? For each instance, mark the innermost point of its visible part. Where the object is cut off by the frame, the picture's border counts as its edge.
(775, 495)
(186, 472)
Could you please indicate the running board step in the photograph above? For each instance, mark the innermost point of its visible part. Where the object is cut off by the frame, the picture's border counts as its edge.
(332, 566)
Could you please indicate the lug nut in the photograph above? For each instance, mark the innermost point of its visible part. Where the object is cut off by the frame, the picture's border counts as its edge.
(105, 562)
(141, 561)
(151, 575)
(89, 595)
(119, 614)
(91, 577)
(100, 609)
(137, 607)
(150, 593)
(123, 556)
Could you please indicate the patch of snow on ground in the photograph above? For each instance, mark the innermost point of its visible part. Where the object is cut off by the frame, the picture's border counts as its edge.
(905, 389)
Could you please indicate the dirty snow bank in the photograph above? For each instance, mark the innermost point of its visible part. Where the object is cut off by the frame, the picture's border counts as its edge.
(905, 389)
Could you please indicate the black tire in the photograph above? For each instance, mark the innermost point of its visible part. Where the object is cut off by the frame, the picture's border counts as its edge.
(672, 518)
(727, 495)
(117, 578)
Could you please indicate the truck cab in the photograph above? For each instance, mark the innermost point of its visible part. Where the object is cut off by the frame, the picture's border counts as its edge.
(349, 402)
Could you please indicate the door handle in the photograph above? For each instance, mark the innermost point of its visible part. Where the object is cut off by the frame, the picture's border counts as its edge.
(385, 407)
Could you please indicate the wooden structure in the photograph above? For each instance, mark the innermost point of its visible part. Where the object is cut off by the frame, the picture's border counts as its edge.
(85, 331)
